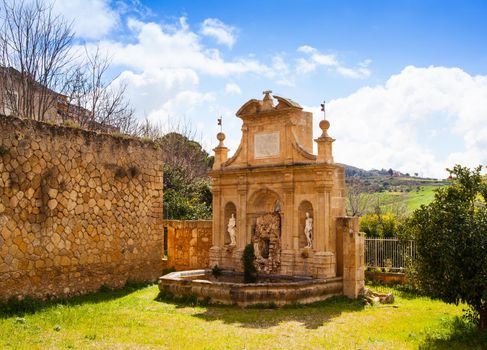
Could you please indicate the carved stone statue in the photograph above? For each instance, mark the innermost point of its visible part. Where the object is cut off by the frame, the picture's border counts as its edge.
(232, 230)
(308, 230)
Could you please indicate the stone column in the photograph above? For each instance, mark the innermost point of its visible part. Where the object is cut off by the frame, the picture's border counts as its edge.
(352, 257)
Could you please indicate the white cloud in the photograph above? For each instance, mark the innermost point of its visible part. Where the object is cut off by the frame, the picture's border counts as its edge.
(163, 64)
(92, 19)
(178, 47)
(391, 125)
(152, 88)
(184, 103)
(307, 49)
(281, 71)
(316, 59)
(232, 88)
(221, 32)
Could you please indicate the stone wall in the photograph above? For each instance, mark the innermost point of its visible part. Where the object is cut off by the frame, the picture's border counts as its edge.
(350, 252)
(189, 244)
(77, 210)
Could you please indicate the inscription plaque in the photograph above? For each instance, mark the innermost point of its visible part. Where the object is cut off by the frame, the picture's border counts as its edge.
(266, 145)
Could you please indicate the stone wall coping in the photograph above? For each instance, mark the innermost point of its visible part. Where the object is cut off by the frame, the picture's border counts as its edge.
(168, 221)
(57, 130)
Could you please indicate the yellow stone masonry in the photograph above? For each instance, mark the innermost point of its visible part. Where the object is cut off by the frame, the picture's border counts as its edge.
(77, 210)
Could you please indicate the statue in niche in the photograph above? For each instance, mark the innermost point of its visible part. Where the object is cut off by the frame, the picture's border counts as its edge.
(277, 207)
(308, 230)
(231, 228)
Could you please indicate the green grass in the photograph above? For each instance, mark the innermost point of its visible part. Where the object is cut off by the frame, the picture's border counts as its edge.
(413, 199)
(133, 319)
(424, 196)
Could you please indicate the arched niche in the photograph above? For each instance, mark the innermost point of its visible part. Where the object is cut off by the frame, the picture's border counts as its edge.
(229, 209)
(261, 202)
(304, 207)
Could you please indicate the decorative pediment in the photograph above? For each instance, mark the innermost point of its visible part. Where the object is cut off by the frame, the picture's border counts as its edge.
(250, 107)
(276, 131)
(286, 103)
(255, 106)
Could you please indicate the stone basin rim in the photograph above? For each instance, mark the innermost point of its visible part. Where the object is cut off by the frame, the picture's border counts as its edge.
(293, 280)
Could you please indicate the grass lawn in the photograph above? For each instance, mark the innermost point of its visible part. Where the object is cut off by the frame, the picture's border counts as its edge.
(413, 199)
(133, 319)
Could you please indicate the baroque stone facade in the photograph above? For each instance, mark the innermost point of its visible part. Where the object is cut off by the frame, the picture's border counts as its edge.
(274, 171)
(77, 210)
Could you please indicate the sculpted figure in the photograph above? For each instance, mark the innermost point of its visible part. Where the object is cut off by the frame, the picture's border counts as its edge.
(231, 230)
(308, 230)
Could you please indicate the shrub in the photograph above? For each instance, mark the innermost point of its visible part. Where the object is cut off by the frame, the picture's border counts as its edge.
(248, 259)
(383, 225)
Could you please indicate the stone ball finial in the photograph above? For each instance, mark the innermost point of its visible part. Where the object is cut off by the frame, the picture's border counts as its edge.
(220, 136)
(324, 125)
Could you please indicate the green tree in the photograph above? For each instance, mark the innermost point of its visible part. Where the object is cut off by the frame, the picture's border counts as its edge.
(451, 236)
(187, 193)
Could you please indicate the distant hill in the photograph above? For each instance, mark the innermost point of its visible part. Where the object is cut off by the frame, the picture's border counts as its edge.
(351, 170)
(387, 180)
(354, 171)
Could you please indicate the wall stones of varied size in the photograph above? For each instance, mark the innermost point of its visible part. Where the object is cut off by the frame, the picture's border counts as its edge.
(77, 210)
(189, 244)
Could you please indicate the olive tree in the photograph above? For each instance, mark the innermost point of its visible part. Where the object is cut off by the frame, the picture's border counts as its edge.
(451, 236)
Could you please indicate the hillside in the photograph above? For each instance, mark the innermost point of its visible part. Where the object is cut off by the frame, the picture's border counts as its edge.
(390, 189)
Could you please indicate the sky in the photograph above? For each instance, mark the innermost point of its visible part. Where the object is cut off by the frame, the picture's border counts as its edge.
(405, 82)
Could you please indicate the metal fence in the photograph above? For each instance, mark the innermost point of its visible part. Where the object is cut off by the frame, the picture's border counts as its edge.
(389, 254)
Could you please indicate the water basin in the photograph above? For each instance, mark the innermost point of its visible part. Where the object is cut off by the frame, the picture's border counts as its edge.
(228, 288)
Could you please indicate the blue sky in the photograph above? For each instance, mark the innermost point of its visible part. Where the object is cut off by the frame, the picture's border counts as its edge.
(405, 81)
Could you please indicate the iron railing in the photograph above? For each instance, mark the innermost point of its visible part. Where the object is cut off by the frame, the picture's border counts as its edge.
(389, 254)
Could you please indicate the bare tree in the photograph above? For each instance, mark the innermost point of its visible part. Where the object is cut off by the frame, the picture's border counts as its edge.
(35, 46)
(357, 198)
(41, 79)
(95, 100)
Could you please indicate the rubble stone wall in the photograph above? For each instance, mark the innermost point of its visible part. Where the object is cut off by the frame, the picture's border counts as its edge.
(189, 243)
(77, 210)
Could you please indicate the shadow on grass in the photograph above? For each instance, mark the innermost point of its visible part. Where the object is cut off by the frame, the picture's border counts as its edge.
(15, 307)
(312, 316)
(461, 334)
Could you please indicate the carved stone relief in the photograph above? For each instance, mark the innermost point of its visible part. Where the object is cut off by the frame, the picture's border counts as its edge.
(267, 243)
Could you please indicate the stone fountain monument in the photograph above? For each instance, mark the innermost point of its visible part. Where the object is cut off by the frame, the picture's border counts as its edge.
(289, 203)
(286, 201)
